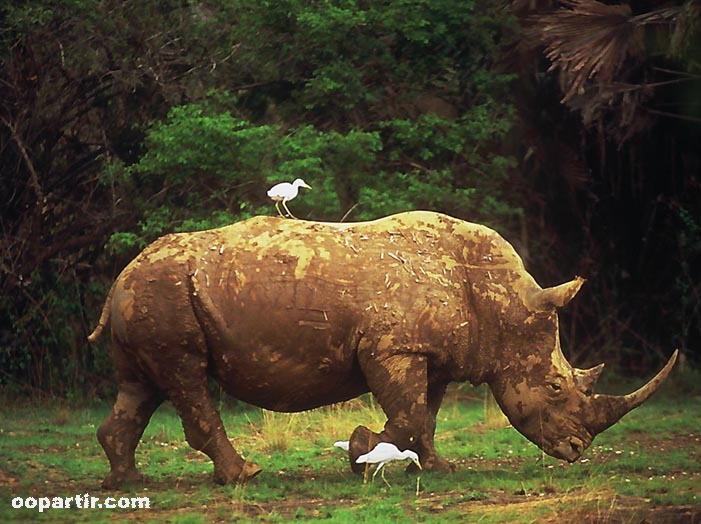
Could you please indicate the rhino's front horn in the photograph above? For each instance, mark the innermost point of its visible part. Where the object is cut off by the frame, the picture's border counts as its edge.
(552, 297)
(608, 409)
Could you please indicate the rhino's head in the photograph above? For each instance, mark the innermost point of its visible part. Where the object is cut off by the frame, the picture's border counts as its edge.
(546, 399)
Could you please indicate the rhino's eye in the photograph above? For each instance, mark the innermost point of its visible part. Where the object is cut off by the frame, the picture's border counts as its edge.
(554, 387)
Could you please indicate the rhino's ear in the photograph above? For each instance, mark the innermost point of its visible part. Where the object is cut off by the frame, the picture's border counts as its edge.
(552, 297)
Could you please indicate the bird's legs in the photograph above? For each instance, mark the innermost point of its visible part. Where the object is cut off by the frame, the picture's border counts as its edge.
(374, 474)
(277, 206)
(381, 467)
(365, 473)
(290, 213)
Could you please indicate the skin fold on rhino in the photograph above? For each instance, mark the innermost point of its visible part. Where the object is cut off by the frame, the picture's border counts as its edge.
(290, 315)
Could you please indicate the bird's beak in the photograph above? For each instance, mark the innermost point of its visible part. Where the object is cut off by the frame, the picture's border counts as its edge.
(307, 186)
(419, 465)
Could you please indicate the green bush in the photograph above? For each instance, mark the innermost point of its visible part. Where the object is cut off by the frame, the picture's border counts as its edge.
(143, 118)
(207, 169)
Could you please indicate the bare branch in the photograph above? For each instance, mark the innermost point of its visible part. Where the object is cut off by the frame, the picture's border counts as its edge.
(33, 176)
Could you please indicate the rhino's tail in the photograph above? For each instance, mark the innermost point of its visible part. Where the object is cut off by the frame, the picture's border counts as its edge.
(104, 316)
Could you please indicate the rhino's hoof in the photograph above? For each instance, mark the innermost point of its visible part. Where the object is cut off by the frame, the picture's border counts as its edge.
(412, 468)
(242, 474)
(249, 470)
(438, 464)
(361, 441)
(115, 481)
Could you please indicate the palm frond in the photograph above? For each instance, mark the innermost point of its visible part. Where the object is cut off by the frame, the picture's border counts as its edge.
(586, 40)
(599, 52)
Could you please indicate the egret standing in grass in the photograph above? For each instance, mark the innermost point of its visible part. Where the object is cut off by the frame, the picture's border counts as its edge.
(383, 453)
(284, 192)
(342, 444)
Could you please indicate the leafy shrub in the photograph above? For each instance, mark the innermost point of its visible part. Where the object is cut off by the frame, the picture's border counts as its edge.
(205, 168)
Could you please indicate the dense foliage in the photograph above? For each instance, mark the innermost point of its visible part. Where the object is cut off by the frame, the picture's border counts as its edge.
(120, 121)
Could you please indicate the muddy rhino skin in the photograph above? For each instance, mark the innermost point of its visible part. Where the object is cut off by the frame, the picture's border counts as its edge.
(290, 315)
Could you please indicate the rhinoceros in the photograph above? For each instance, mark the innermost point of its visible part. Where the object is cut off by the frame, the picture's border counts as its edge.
(290, 315)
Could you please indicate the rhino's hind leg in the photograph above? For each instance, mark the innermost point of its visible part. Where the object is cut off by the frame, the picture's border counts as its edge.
(120, 432)
(203, 426)
(400, 384)
(205, 432)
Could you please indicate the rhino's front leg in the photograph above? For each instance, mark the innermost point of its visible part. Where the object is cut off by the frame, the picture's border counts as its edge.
(400, 385)
(434, 461)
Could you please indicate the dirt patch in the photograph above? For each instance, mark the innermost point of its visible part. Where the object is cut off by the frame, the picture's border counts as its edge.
(35, 449)
(7, 480)
(685, 441)
(600, 506)
(586, 508)
(589, 508)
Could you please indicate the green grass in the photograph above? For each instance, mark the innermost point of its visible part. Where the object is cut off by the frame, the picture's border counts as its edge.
(645, 467)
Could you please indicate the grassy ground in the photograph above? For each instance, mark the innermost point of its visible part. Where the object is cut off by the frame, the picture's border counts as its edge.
(646, 469)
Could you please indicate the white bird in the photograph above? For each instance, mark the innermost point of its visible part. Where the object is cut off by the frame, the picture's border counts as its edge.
(383, 453)
(343, 444)
(284, 192)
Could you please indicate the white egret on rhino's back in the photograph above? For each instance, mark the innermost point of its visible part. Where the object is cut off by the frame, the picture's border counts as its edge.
(284, 192)
(386, 452)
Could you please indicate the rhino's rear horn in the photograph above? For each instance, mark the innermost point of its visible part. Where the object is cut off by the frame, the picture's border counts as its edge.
(552, 297)
(586, 378)
(608, 409)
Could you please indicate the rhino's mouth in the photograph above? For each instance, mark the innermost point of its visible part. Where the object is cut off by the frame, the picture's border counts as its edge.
(569, 449)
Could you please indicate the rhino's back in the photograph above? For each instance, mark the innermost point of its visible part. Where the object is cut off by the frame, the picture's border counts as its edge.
(297, 297)
(409, 268)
